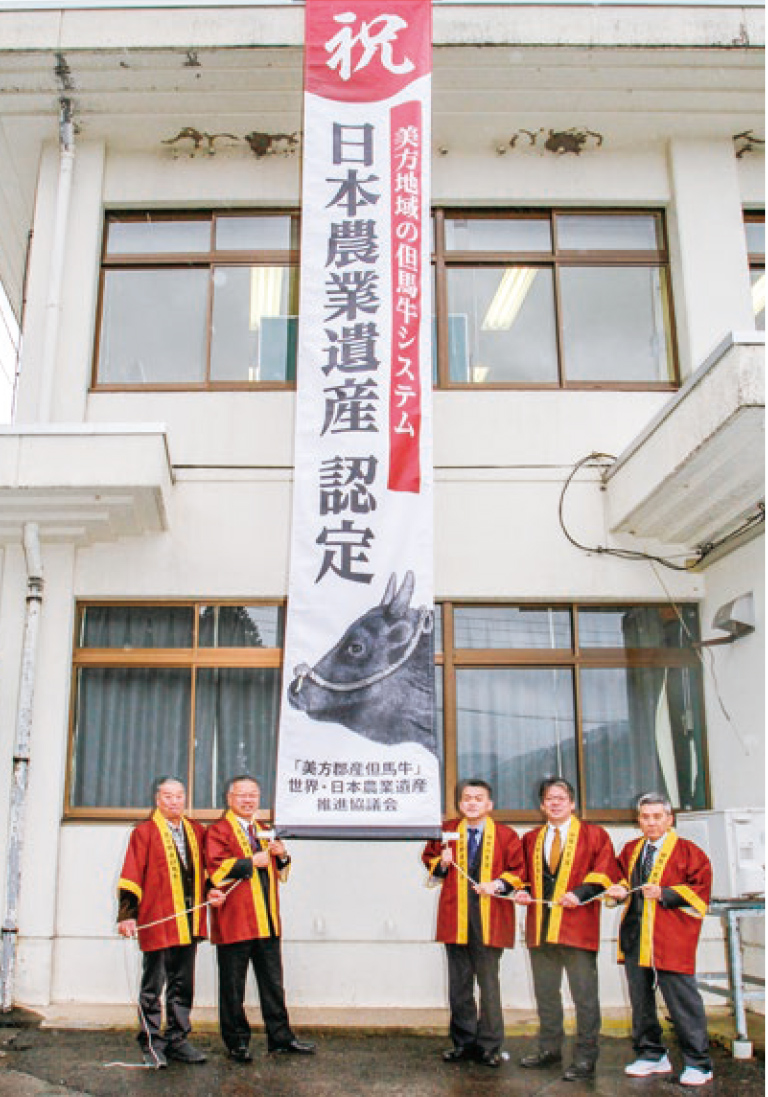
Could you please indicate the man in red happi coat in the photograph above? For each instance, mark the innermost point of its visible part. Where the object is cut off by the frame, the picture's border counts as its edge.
(246, 930)
(567, 865)
(666, 884)
(161, 893)
(474, 926)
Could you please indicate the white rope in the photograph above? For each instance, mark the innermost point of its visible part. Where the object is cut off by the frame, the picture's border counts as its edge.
(549, 902)
(582, 903)
(135, 998)
(424, 625)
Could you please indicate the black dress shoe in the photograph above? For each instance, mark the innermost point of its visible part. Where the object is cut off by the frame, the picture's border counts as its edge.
(490, 1058)
(241, 1054)
(460, 1054)
(296, 1047)
(185, 1053)
(540, 1060)
(577, 1072)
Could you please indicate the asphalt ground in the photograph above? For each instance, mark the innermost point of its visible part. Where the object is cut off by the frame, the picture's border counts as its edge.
(42, 1062)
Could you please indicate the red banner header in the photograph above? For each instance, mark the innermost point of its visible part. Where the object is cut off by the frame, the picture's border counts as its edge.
(366, 50)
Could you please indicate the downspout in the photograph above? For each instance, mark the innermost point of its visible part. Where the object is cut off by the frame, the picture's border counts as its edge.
(58, 252)
(21, 757)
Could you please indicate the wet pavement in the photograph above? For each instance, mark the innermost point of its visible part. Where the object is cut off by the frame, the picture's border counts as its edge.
(40, 1062)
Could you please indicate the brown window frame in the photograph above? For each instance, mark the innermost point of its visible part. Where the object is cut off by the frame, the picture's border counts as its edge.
(449, 658)
(756, 259)
(555, 260)
(208, 260)
(192, 659)
(442, 261)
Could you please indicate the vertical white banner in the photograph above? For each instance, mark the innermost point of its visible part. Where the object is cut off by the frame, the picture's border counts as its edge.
(358, 753)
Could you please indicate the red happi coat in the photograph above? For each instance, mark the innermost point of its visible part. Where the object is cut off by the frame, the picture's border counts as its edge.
(669, 936)
(502, 859)
(151, 871)
(587, 858)
(245, 915)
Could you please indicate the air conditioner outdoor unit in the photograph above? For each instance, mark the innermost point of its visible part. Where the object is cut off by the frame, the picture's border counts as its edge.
(734, 841)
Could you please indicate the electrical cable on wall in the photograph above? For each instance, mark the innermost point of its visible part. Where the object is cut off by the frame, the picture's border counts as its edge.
(700, 655)
(699, 553)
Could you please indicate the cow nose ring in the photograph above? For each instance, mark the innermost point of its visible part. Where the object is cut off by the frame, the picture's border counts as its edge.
(299, 675)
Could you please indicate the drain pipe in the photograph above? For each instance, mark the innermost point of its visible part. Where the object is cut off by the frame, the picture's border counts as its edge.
(21, 756)
(58, 252)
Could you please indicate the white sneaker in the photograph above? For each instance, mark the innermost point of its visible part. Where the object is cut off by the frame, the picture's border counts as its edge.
(692, 1076)
(641, 1068)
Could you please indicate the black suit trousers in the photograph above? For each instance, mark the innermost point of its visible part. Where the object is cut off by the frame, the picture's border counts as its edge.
(683, 1000)
(470, 1026)
(265, 956)
(548, 962)
(172, 970)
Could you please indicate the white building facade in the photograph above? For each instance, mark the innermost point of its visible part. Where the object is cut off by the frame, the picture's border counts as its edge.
(609, 160)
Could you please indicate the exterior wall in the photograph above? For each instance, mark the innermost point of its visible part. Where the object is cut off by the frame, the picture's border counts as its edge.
(735, 710)
(358, 919)
(735, 703)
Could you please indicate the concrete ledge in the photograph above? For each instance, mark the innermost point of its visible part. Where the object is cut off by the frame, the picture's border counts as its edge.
(82, 483)
(616, 1022)
(697, 469)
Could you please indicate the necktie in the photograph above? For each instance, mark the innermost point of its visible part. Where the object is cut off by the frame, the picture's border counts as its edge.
(472, 845)
(555, 851)
(253, 839)
(177, 833)
(647, 865)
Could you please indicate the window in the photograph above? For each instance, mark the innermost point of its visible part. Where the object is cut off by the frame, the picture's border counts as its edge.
(198, 300)
(754, 225)
(188, 689)
(537, 299)
(553, 298)
(608, 696)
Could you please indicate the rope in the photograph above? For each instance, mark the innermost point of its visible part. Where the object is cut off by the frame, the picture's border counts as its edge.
(424, 625)
(550, 902)
(582, 903)
(135, 998)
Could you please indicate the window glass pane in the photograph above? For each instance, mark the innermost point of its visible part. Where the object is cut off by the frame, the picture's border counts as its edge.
(755, 231)
(131, 727)
(642, 733)
(254, 329)
(155, 237)
(614, 233)
(498, 234)
(153, 326)
(235, 726)
(438, 626)
(253, 233)
(515, 727)
(511, 627)
(615, 324)
(136, 627)
(241, 627)
(638, 627)
(501, 325)
(758, 298)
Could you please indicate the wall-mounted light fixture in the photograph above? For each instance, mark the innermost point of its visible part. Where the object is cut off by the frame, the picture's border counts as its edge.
(737, 618)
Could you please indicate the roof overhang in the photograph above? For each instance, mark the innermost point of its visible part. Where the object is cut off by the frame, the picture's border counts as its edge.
(629, 76)
(84, 484)
(697, 470)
